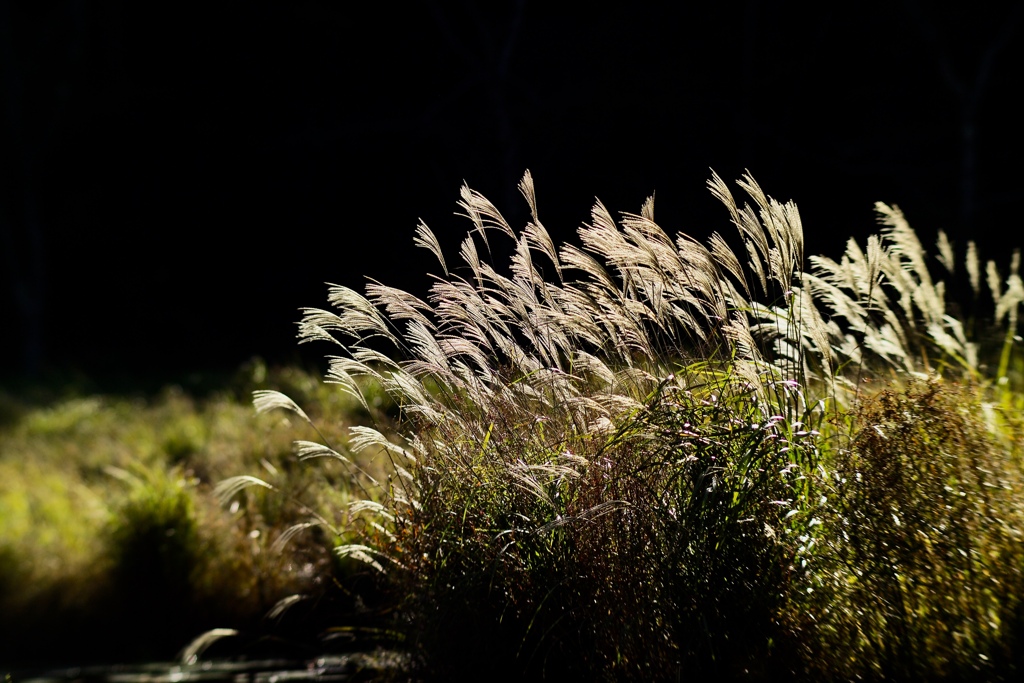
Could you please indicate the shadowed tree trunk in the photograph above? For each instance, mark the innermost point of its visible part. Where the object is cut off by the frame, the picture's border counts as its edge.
(969, 91)
(35, 103)
(21, 232)
(488, 67)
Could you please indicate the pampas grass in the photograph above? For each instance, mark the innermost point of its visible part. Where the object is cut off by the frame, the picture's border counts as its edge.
(647, 457)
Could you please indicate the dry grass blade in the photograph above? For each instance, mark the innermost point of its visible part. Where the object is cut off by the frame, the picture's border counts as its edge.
(284, 604)
(282, 541)
(362, 553)
(190, 655)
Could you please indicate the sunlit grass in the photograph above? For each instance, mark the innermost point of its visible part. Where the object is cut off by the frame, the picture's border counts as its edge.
(112, 542)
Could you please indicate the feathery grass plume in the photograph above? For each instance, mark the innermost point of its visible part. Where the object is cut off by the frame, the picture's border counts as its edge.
(426, 239)
(230, 487)
(265, 400)
(946, 257)
(973, 271)
(305, 450)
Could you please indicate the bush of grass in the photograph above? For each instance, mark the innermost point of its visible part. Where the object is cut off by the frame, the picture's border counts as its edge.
(648, 458)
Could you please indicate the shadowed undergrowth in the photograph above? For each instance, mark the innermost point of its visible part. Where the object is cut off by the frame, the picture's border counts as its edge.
(916, 572)
(113, 544)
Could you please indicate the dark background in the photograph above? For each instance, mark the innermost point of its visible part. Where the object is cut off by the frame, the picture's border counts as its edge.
(176, 181)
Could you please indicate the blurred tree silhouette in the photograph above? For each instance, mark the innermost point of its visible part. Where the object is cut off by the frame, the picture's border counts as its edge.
(152, 159)
(36, 92)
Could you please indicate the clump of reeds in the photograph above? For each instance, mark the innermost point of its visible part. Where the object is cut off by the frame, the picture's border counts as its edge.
(610, 458)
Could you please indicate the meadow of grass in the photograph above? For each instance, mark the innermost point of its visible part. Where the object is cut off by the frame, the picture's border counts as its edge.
(114, 545)
(649, 458)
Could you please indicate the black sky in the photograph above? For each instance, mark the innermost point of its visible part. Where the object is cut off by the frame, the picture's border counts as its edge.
(178, 181)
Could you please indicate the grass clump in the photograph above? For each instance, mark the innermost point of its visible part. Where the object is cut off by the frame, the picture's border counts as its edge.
(647, 458)
(155, 549)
